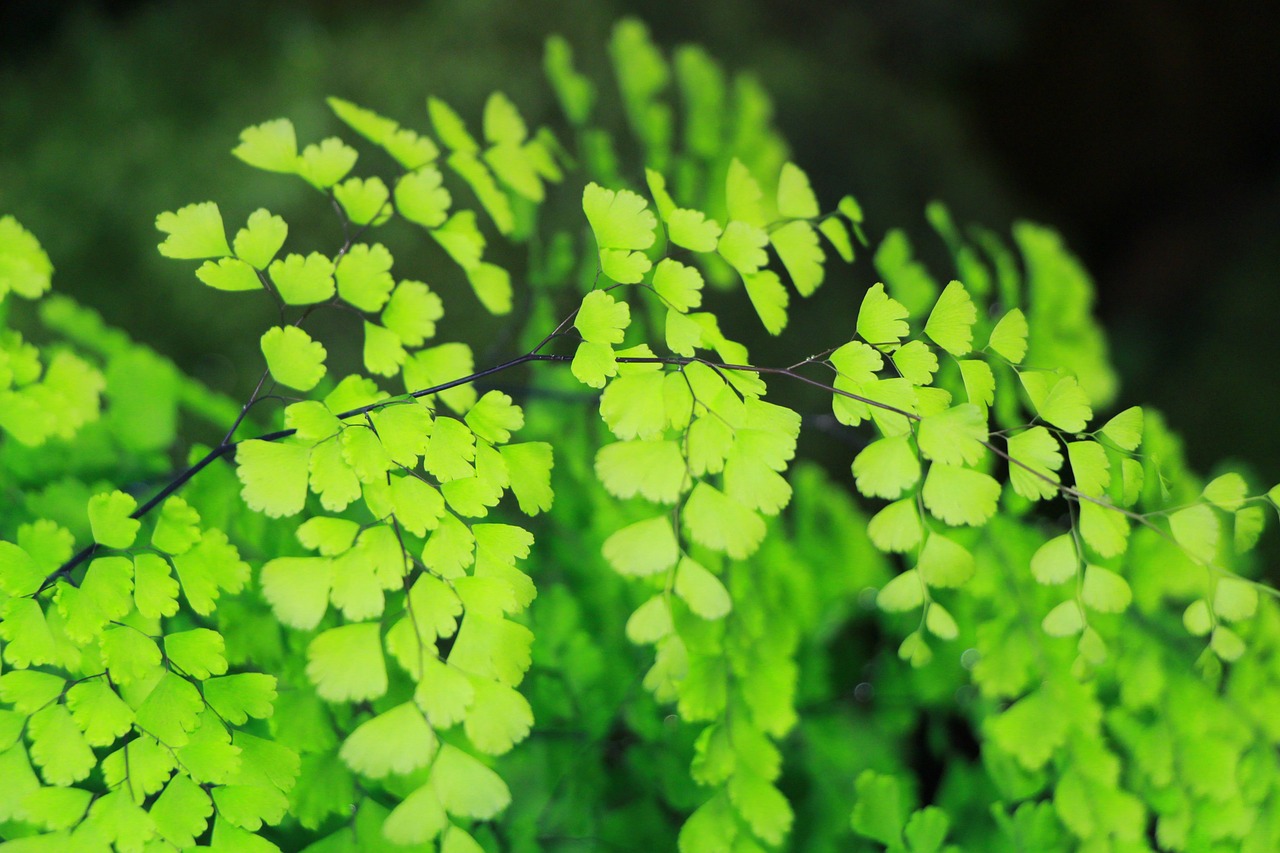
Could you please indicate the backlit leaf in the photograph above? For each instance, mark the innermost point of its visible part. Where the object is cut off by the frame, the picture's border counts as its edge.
(887, 467)
(274, 476)
(395, 741)
(960, 495)
(1009, 336)
(950, 323)
(271, 146)
(1104, 590)
(109, 519)
(194, 232)
(263, 235)
(1036, 459)
(1125, 429)
(293, 357)
(954, 437)
(302, 281)
(346, 663)
(881, 319)
(643, 548)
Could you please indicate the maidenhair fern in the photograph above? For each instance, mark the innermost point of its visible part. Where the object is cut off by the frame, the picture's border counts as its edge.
(425, 604)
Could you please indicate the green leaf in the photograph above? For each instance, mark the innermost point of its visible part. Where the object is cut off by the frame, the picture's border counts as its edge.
(28, 690)
(653, 469)
(633, 404)
(529, 467)
(257, 243)
(492, 286)
(701, 590)
(1056, 561)
(274, 476)
(450, 127)
(1104, 590)
(346, 664)
(1064, 620)
(1090, 467)
(1227, 491)
(1235, 599)
(795, 196)
(25, 269)
(298, 589)
(466, 787)
(325, 163)
(717, 521)
(1125, 429)
(800, 252)
(182, 811)
(979, 382)
(1196, 529)
(761, 805)
(960, 495)
(421, 197)
(129, 655)
(293, 357)
(769, 298)
(412, 312)
(886, 468)
(199, 653)
(418, 818)
(916, 362)
(944, 563)
(171, 710)
(1104, 529)
(950, 323)
(903, 592)
(229, 274)
(238, 697)
(99, 711)
(498, 719)
(619, 219)
(650, 622)
(109, 518)
(896, 528)
(271, 146)
(1063, 404)
(56, 808)
(743, 246)
(1037, 457)
(837, 235)
(19, 574)
(194, 232)
(302, 281)
(439, 365)
(364, 276)
(602, 319)
(396, 741)
(462, 239)
(940, 622)
(679, 285)
(1009, 336)
(879, 811)
(881, 319)
(1249, 522)
(365, 201)
(1227, 644)
(643, 548)
(743, 195)
(575, 91)
(691, 229)
(383, 352)
(58, 747)
(954, 437)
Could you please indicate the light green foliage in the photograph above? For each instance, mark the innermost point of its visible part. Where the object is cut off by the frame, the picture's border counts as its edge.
(346, 639)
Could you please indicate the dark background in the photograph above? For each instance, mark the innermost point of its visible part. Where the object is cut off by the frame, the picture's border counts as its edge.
(1148, 132)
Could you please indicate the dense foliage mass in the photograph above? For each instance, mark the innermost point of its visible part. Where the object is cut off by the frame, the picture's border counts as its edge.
(398, 607)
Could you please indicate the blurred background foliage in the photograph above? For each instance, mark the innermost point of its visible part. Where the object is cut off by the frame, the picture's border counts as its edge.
(1148, 132)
